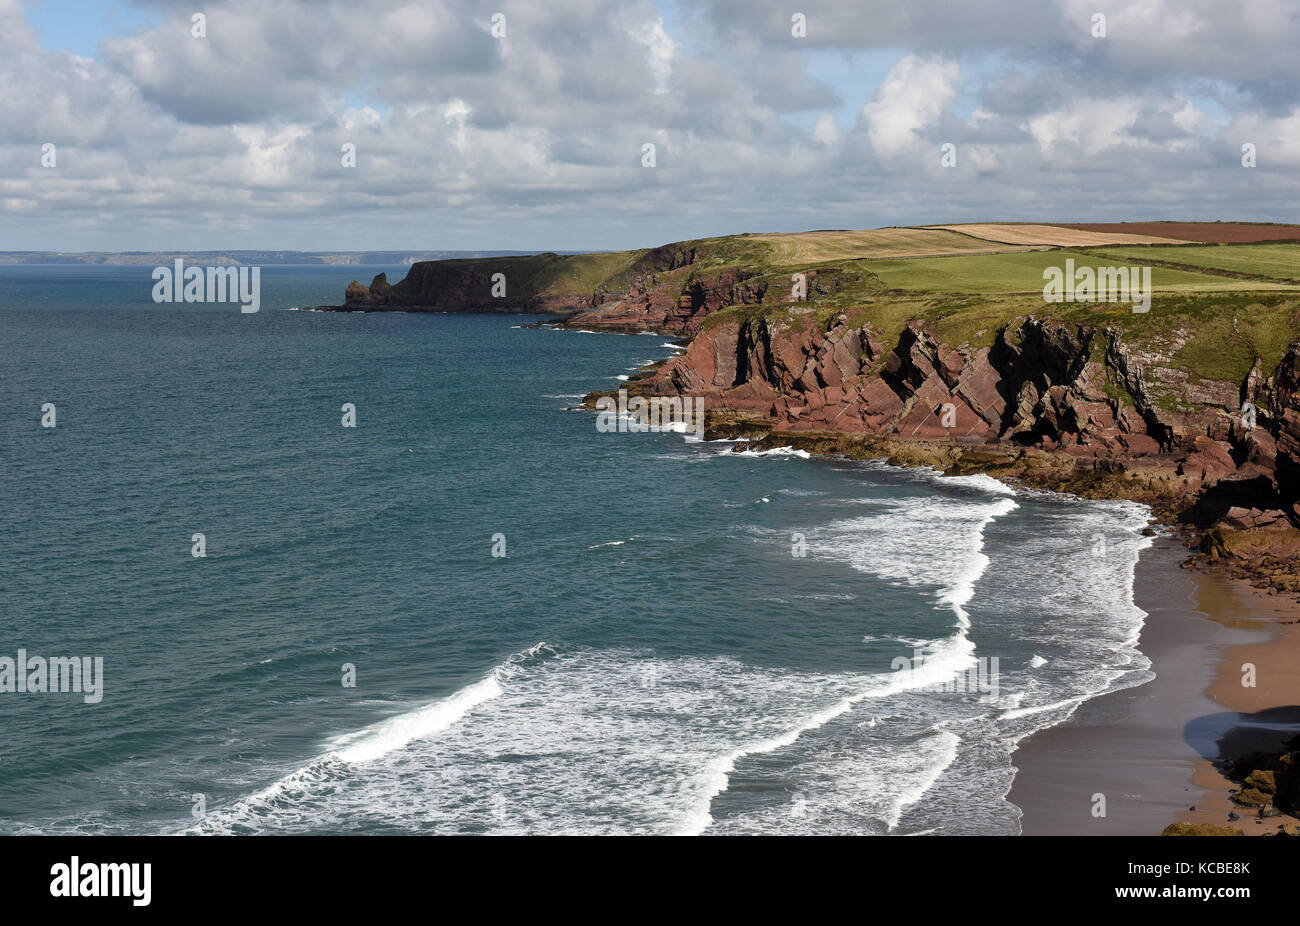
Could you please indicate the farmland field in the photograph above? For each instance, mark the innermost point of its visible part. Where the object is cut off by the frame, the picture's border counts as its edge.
(1023, 273)
(1053, 235)
(1206, 232)
(815, 246)
(1270, 261)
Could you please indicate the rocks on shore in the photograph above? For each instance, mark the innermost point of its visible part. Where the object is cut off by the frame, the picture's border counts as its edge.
(1269, 780)
(1200, 829)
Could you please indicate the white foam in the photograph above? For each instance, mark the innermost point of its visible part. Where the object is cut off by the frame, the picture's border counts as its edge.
(943, 751)
(396, 732)
(715, 778)
(589, 741)
(623, 741)
(926, 540)
(368, 745)
(978, 481)
(774, 452)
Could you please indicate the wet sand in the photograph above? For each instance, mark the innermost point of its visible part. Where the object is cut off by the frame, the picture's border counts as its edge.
(1149, 750)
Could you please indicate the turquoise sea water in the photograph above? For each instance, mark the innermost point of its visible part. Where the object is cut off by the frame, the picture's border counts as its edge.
(648, 657)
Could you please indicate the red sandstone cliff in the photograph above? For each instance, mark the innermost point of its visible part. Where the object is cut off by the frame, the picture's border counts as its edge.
(1043, 388)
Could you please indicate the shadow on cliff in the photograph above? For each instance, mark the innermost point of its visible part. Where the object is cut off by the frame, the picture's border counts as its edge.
(1225, 736)
(1215, 502)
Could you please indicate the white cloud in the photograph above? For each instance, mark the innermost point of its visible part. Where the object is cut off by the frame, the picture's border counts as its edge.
(1090, 125)
(1188, 117)
(911, 97)
(660, 48)
(1276, 139)
(825, 130)
(234, 141)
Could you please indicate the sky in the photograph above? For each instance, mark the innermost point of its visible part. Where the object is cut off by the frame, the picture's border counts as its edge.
(532, 135)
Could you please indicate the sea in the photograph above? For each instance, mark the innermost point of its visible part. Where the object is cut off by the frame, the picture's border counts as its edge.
(476, 612)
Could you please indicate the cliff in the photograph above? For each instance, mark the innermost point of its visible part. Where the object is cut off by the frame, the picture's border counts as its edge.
(667, 288)
(932, 346)
(1056, 404)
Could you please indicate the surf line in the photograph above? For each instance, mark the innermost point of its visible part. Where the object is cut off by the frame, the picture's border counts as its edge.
(933, 670)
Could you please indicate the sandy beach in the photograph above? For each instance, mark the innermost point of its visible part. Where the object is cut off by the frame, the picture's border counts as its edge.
(1264, 715)
(1150, 750)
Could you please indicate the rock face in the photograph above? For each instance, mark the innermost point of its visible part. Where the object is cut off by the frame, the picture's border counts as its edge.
(673, 290)
(678, 310)
(1070, 390)
(1039, 385)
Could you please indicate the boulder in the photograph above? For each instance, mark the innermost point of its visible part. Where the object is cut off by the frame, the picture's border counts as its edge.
(1244, 519)
(1262, 780)
(1251, 797)
(1209, 461)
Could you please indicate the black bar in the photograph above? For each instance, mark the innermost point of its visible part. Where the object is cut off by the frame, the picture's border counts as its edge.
(971, 876)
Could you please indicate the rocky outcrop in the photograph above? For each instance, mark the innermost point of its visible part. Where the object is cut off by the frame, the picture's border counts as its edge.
(660, 291)
(1200, 829)
(464, 286)
(674, 290)
(1076, 393)
(1270, 782)
(650, 305)
(1039, 385)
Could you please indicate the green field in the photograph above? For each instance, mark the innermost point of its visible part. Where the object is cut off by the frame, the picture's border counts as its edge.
(1023, 272)
(1268, 261)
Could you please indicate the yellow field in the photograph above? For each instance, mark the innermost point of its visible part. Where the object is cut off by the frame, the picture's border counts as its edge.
(1053, 235)
(812, 247)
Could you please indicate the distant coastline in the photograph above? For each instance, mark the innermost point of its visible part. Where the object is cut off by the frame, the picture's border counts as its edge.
(241, 257)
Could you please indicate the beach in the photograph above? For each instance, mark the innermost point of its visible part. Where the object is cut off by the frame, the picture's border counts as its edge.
(1150, 750)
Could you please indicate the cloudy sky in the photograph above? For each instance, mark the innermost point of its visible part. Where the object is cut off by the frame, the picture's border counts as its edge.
(535, 140)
